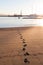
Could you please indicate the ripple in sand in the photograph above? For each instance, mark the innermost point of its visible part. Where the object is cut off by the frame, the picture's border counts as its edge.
(37, 54)
(40, 53)
(34, 54)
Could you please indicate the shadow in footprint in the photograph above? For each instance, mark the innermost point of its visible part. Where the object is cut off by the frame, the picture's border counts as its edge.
(24, 42)
(26, 54)
(20, 34)
(26, 61)
(21, 37)
(25, 45)
(24, 49)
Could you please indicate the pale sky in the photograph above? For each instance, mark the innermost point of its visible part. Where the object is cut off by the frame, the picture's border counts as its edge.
(26, 6)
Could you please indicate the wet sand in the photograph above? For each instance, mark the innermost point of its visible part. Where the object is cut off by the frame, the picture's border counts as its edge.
(21, 46)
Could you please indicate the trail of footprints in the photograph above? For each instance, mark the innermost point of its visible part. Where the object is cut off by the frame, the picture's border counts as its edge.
(24, 48)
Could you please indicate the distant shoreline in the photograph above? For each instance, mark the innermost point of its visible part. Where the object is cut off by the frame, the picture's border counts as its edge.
(26, 17)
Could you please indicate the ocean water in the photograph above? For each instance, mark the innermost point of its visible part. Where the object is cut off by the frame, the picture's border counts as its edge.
(15, 22)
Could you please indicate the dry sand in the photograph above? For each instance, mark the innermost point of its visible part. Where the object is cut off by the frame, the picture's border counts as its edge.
(12, 43)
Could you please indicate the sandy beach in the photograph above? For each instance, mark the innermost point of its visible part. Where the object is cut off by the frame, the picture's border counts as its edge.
(21, 46)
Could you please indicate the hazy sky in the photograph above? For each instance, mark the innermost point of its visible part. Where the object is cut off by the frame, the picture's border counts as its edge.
(26, 6)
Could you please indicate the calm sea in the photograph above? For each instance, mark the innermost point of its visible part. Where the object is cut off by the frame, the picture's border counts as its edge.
(15, 22)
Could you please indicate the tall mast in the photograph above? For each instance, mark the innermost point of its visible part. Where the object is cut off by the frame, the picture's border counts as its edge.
(21, 12)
